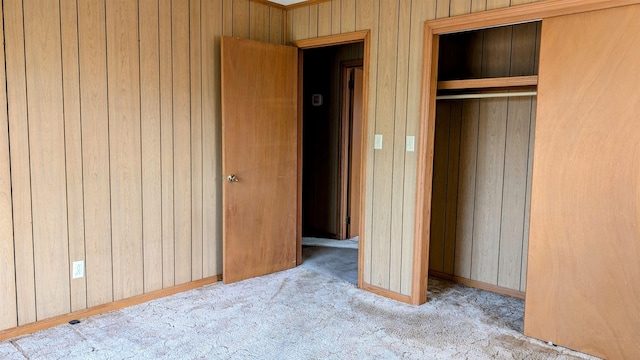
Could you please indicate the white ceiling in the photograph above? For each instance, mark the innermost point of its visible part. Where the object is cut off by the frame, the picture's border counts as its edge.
(287, 2)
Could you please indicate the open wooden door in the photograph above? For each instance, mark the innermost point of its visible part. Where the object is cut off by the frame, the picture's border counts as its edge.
(259, 158)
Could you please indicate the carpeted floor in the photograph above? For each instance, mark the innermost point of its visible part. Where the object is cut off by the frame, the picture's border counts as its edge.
(310, 312)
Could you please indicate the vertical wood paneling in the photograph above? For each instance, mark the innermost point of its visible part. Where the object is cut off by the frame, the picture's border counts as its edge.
(8, 309)
(211, 135)
(166, 141)
(420, 11)
(288, 27)
(442, 9)
(324, 19)
(227, 18)
(496, 52)
(259, 21)
(367, 13)
(348, 16)
(123, 69)
(523, 49)
(300, 18)
(495, 4)
(276, 23)
(527, 204)
(466, 188)
(47, 153)
(241, 20)
(399, 133)
(336, 7)
(514, 192)
(73, 146)
(451, 210)
(182, 139)
(489, 181)
(95, 151)
(20, 169)
(383, 159)
(478, 5)
(459, 7)
(150, 129)
(196, 133)
(313, 21)
(439, 186)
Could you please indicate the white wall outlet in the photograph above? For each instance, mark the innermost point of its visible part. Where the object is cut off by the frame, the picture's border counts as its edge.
(78, 269)
(377, 143)
(411, 143)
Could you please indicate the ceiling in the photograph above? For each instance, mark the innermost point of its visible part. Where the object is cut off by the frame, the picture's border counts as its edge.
(287, 2)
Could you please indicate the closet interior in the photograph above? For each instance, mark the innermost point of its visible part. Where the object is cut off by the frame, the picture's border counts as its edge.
(485, 120)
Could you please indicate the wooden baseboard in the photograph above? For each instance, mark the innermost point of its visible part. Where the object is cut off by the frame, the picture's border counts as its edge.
(116, 305)
(387, 293)
(477, 284)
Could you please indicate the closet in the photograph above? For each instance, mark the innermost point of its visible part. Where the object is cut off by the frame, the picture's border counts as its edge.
(485, 119)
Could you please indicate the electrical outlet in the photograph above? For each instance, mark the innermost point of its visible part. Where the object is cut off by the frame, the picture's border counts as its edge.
(78, 269)
(377, 142)
(411, 143)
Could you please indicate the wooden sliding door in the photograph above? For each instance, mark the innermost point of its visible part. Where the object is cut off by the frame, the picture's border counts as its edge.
(583, 286)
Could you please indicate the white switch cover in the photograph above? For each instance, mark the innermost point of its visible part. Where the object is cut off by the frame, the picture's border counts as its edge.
(377, 144)
(78, 269)
(411, 143)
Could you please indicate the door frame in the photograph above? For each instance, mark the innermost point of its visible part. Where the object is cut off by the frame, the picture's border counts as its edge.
(344, 178)
(325, 41)
(426, 139)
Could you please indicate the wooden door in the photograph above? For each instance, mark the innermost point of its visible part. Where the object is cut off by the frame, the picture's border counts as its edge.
(259, 148)
(356, 155)
(583, 284)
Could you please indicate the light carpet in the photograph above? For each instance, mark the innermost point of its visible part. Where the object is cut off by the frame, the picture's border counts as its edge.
(302, 313)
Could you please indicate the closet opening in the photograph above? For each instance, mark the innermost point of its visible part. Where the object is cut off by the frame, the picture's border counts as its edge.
(483, 153)
(332, 99)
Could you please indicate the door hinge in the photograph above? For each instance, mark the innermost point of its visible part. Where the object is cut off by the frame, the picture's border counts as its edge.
(347, 220)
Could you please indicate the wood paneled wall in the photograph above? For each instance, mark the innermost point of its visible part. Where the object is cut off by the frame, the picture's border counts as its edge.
(481, 189)
(113, 126)
(394, 103)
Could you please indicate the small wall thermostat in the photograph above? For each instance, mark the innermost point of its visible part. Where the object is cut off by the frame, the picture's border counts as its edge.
(316, 99)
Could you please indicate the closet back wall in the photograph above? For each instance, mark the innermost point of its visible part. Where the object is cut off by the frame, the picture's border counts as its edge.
(114, 135)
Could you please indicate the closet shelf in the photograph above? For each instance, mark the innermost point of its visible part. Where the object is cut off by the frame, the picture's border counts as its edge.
(501, 82)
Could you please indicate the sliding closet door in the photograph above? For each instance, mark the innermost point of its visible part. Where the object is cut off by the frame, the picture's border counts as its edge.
(583, 286)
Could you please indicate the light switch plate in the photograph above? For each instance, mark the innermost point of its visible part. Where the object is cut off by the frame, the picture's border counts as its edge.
(411, 143)
(377, 144)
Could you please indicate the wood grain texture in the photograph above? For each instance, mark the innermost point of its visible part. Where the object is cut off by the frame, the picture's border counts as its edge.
(197, 201)
(367, 15)
(20, 169)
(227, 17)
(442, 8)
(500, 82)
(453, 169)
(266, 120)
(527, 206)
(355, 176)
(276, 26)
(211, 134)
(125, 158)
(399, 148)
(466, 188)
(43, 61)
(313, 21)
(241, 19)
(300, 19)
(514, 193)
(347, 16)
(384, 121)
(459, 7)
(8, 306)
(584, 205)
(166, 142)
(324, 18)
(73, 146)
(489, 182)
(259, 21)
(150, 141)
(496, 52)
(336, 14)
(181, 140)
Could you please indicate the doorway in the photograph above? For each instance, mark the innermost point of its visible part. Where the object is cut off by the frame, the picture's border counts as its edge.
(331, 139)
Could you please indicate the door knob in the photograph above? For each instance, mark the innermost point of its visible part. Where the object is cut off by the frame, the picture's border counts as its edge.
(232, 178)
